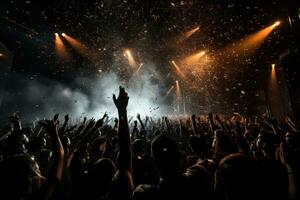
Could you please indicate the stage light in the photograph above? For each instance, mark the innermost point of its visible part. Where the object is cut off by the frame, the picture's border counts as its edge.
(78, 46)
(169, 90)
(277, 23)
(130, 58)
(1, 54)
(273, 85)
(178, 70)
(191, 32)
(186, 35)
(273, 66)
(178, 96)
(60, 48)
(247, 46)
(127, 52)
(137, 71)
(194, 58)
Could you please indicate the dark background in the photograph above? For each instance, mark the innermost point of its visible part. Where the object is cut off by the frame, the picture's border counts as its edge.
(27, 30)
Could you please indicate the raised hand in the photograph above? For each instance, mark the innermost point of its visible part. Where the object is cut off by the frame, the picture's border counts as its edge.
(99, 122)
(122, 101)
(193, 117)
(55, 118)
(90, 124)
(16, 123)
(210, 115)
(104, 116)
(84, 120)
(67, 117)
(218, 118)
(50, 126)
(124, 155)
(56, 168)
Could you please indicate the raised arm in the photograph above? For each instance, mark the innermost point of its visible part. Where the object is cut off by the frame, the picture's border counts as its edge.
(134, 133)
(64, 126)
(211, 122)
(222, 124)
(116, 123)
(124, 157)
(141, 122)
(47, 189)
(58, 151)
(195, 128)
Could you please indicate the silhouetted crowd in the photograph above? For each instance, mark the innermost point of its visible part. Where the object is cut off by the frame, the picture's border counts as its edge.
(225, 157)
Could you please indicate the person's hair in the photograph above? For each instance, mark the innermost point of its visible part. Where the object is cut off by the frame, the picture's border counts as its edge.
(122, 186)
(224, 145)
(144, 192)
(16, 172)
(99, 177)
(238, 177)
(165, 154)
(199, 146)
(138, 146)
(268, 141)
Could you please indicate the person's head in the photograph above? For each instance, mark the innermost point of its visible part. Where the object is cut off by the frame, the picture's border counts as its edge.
(223, 145)
(122, 185)
(98, 148)
(43, 158)
(20, 176)
(199, 146)
(99, 177)
(36, 144)
(266, 142)
(138, 147)
(66, 142)
(292, 139)
(166, 155)
(144, 192)
(199, 182)
(238, 177)
(251, 134)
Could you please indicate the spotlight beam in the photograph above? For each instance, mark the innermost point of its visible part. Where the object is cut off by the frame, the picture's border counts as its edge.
(178, 70)
(169, 90)
(130, 58)
(187, 34)
(248, 45)
(194, 58)
(137, 71)
(60, 48)
(178, 96)
(78, 46)
(191, 32)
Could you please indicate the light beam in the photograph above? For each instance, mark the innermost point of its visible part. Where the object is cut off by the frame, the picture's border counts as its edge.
(169, 90)
(78, 46)
(178, 70)
(191, 32)
(187, 35)
(178, 96)
(248, 45)
(130, 58)
(60, 48)
(194, 58)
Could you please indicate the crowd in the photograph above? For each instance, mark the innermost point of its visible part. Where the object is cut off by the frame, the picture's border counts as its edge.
(209, 157)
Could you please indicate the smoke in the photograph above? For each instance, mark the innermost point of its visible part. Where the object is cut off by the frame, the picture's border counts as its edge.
(91, 96)
(144, 96)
